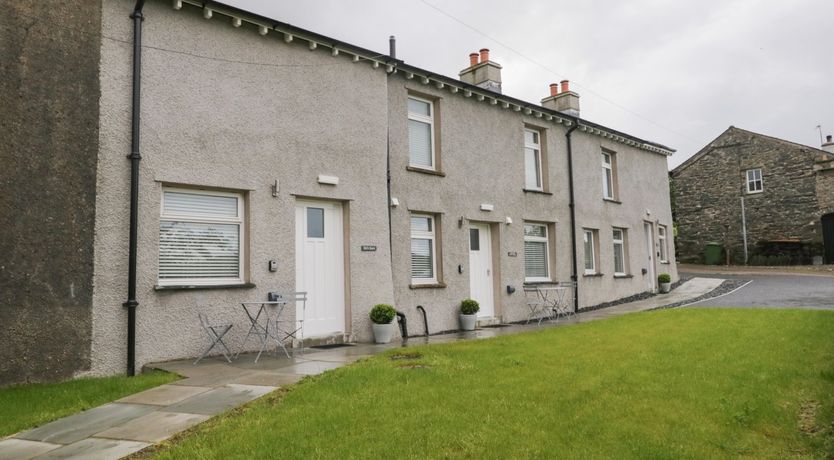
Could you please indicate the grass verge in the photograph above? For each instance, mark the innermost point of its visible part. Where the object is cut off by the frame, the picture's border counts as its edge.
(690, 383)
(31, 405)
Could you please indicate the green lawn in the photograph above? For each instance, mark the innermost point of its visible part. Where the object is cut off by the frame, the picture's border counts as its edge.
(690, 383)
(27, 406)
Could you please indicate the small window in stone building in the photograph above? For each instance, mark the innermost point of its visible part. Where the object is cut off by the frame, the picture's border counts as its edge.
(754, 181)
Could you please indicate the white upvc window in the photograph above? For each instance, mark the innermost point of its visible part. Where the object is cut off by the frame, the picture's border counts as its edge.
(607, 176)
(590, 252)
(201, 235)
(421, 133)
(423, 249)
(754, 181)
(619, 251)
(532, 160)
(664, 248)
(536, 253)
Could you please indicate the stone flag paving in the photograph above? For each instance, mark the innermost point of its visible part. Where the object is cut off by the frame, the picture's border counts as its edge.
(135, 422)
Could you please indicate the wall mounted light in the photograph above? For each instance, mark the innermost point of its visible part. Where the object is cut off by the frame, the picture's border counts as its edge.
(394, 202)
(509, 220)
(275, 188)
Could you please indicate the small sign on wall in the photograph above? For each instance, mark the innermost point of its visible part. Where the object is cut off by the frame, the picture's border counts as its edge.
(368, 248)
(512, 254)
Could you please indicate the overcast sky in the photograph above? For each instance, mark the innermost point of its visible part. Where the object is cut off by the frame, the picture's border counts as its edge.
(674, 72)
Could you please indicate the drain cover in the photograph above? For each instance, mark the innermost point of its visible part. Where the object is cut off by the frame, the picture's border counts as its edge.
(332, 345)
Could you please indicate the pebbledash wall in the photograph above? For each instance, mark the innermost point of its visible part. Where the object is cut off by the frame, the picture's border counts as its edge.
(213, 119)
(215, 124)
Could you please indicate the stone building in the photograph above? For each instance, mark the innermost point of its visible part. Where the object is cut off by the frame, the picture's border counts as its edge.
(218, 156)
(775, 193)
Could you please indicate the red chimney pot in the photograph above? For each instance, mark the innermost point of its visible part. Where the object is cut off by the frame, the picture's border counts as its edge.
(484, 54)
(565, 86)
(554, 89)
(473, 59)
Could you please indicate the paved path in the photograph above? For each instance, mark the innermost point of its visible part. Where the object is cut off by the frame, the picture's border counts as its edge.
(130, 424)
(778, 290)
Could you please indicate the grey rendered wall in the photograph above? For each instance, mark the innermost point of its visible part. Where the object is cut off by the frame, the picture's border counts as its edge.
(643, 197)
(238, 126)
(482, 158)
(49, 93)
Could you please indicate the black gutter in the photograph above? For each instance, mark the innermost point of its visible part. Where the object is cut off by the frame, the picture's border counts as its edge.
(572, 205)
(134, 156)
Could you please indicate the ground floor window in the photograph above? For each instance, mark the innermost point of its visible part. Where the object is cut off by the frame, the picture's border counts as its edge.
(536, 253)
(200, 237)
(664, 247)
(423, 249)
(619, 235)
(589, 241)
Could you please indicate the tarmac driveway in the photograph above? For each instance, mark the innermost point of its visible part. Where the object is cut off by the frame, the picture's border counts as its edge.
(775, 291)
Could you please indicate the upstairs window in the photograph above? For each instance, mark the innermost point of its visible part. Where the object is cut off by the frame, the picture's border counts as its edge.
(421, 133)
(200, 238)
(608, 172)
(536, 253)
(754, 181)
(532, 160)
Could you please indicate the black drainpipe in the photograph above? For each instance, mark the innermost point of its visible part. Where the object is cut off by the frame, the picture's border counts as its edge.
(134, 156)
(572, 205)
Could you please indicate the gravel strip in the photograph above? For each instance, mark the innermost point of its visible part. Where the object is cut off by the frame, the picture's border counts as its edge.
(723, 288)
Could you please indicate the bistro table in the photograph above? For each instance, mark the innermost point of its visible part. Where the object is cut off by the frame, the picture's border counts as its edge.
(553, 298)
(261, 315)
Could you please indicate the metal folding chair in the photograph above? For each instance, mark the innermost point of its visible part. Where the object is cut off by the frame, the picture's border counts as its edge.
(564, 305)
(535, 303)
(288, 329)
(215, 333)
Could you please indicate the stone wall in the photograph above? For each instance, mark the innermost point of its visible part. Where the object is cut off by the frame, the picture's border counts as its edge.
(710, 187)
(824, 168)
(49, 90)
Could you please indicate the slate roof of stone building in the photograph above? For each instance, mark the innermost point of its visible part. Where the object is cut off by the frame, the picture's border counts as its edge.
(709, 147)
(426, 75)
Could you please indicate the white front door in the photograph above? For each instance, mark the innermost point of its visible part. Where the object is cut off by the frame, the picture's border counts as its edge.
(648, 229)
(319, 266)
(480, 268)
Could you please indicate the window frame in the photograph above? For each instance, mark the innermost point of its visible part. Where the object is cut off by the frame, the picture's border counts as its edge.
(594, 252)
(546, 240)
(424, 235)
(537, 148)
(662, 240)
(608, 176)
(430, 120)
(240, 221)
(753, 181)
(624, 254)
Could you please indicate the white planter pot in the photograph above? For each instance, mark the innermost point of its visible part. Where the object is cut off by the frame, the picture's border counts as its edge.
(383, 333)
(665, 287)
(467, 322)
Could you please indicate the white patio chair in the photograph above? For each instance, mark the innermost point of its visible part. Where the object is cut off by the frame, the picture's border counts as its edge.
(215, 333)
(565, 305)
(535, 303)
(292, 329)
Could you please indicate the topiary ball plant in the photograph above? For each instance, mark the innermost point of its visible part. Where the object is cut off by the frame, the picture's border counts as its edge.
(383, 313)
(469, 307)
(664, 278)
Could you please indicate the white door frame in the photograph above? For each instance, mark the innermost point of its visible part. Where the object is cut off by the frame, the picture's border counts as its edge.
(648, 238)
(326, 310)
(481, 279)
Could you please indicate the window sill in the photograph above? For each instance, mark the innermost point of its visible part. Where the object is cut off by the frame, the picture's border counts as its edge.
(184, 287)
(427, 286)
(425, 171)
(538, 283)
(623, 276)
(611, 200)
(539, 192)
(593, 275)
